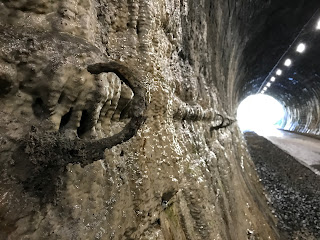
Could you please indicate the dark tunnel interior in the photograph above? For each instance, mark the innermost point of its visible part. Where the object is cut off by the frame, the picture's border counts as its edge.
(278, 32)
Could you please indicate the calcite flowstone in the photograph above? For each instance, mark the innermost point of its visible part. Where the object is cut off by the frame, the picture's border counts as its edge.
(76, 75)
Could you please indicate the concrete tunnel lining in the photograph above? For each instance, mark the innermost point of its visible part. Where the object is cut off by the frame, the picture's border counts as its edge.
(297, 88)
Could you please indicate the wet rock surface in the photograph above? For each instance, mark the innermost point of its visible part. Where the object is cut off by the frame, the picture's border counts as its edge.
(165, 75)
(293, 190)
(114, 122)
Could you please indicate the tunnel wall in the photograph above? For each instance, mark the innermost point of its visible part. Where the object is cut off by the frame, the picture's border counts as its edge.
(304, 118)
(152, 83)
(284, 25)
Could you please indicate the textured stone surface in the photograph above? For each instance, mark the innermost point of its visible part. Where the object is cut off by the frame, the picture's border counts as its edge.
(149, 81)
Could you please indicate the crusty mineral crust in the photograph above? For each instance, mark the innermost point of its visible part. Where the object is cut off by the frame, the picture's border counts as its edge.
(116, 124)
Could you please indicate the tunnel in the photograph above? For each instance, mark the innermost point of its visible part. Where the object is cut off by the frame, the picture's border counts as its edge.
(118, 119)
(294, 88)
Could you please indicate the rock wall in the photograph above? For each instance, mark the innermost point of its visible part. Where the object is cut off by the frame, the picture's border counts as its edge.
(116, 122)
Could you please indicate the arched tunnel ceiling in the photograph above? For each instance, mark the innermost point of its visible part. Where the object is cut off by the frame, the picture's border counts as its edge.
(276, 29)
(298, 87)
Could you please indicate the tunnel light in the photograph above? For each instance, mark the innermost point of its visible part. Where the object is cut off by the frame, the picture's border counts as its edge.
(260, 112)
(272, 79)
(279, 72)
(288, 62)
(318, 25)
(265, 89)
(262, 92)
(301, 48)
(268, 84)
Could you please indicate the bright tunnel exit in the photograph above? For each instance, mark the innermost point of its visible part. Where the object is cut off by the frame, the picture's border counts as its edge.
(260, 112)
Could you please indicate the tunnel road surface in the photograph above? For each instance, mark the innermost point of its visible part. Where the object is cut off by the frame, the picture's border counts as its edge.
(292, 188)
(304, 149)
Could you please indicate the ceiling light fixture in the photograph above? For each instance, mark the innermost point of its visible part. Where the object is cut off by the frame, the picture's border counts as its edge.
(268, 84)
(279, 72)
(301, 48)
(265, 88)
(288, 62)
(272, 79)
(318, 26)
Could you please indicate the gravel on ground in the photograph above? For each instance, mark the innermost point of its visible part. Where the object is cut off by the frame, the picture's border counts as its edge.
(293, 191)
